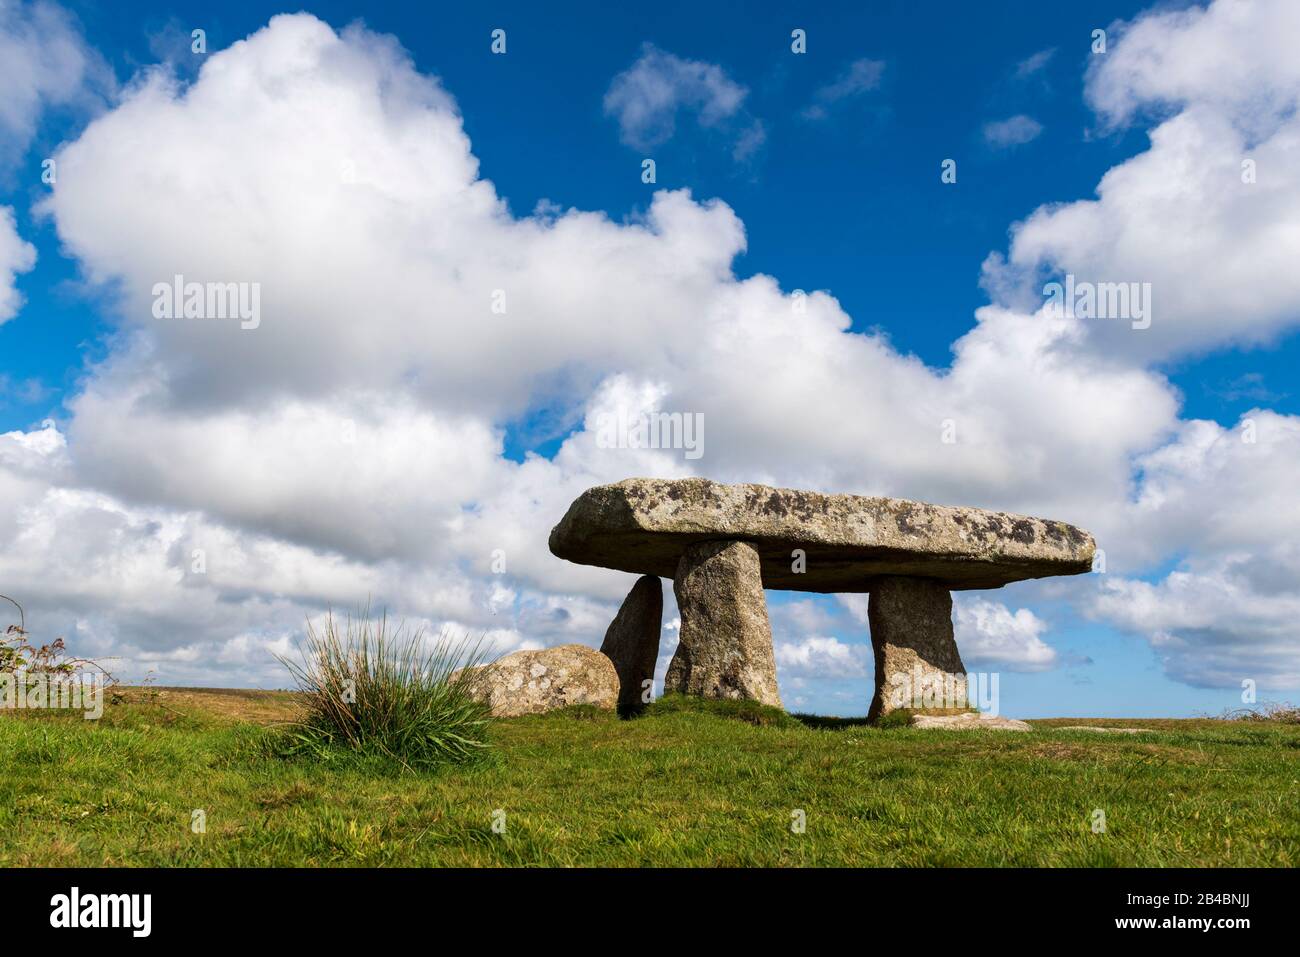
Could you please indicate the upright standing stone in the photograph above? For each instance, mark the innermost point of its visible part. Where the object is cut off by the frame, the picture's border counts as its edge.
(725, 647)
(632, 641)
(917, 665)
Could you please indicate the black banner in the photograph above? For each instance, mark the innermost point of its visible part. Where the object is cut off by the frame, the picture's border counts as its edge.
(333, 906)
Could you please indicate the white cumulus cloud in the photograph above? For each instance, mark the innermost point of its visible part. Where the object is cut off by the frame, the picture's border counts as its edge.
(991, 635)
(1207, 215)
(822, 656)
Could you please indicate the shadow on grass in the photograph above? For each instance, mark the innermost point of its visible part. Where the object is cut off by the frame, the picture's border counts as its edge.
(750, 712)
(900, 718)
(828, 723)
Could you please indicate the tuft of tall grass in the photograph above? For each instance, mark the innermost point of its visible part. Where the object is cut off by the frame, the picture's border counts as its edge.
(370, 690)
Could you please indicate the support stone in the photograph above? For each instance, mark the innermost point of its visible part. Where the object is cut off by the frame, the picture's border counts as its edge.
(632, 641)
(725, 643)
(917, 664)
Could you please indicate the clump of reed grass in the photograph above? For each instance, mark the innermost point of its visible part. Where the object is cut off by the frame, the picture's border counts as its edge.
(372, 691)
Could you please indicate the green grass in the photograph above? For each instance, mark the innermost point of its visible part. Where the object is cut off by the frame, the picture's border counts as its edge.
(687, 783)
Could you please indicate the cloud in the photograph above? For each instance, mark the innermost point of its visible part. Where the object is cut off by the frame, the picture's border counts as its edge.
(1013, 131)
(648, 96)
(1231, 59)
(433, 242)
(750, 142)
(1207, 489)
(200, 601)
(1224, 498)
(1248, 385)
(1034, 63)
(1232, 620)
(26, 391)
(44, 63)
(818, 656)
(16, 256)
(859, 77)
(989, 634)
(1207, 214)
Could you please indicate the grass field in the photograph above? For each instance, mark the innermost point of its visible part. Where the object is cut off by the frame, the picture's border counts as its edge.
(685, 784)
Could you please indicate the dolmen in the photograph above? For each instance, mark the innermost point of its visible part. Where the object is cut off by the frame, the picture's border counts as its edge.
(722, 545)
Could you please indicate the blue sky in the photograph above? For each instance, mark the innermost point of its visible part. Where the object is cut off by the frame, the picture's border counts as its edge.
(848, 201)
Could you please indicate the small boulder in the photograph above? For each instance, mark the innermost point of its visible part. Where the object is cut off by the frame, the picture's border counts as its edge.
(1101, 730)
(533, 682)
